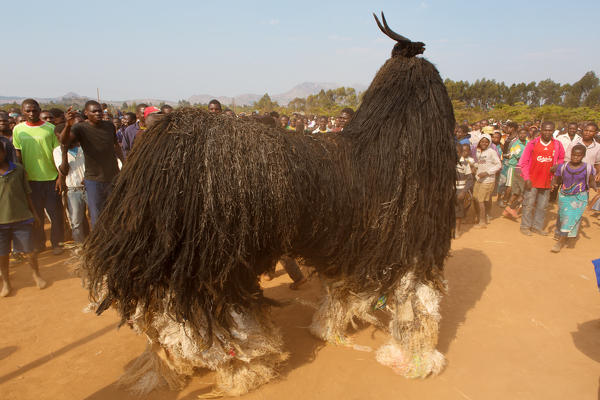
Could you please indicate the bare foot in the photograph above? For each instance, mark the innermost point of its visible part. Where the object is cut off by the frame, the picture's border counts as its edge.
(296, 285)
(5, 289)
(39, 281)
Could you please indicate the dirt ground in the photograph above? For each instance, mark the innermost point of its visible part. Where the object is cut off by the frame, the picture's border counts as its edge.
(518, 322)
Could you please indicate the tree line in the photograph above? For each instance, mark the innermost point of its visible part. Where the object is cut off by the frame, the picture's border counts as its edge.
(484, 98)
(486, 94)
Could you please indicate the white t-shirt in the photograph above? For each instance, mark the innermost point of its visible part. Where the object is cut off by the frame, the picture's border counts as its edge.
(592, 154)
(475, 137)
(565, 139)
(76, 166)
(487, 161)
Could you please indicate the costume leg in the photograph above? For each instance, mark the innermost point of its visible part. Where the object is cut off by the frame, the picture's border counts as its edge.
(243, 361)
(414, 327)
(339, 308)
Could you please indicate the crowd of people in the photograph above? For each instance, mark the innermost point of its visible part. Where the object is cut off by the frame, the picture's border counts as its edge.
(526, 167)
(62, 165)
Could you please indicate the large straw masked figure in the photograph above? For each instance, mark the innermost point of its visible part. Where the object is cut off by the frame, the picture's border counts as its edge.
(207, 203)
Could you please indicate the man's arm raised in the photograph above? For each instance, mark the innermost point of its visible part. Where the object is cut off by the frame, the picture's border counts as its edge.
(66, 136)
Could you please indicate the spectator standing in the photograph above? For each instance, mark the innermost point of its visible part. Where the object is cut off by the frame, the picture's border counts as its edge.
(117, 123)
(462, 135)
(6, 137)
(127, 120)
(17, 218)
(487, 163)
(100, 149)
(34, 141)
(299, 125)
(539, 156)
(570, 136)
(214, 107)
(345, 116)
(510, 133)
(132, 130)
(322, 125)
(166, 109)
(475, 134)
(70, 163)
(574, 178)
(284, 120)
(592, 153)
(464, 182)
(514, 179)
(149, 120)
(46, 116)
(58, 115)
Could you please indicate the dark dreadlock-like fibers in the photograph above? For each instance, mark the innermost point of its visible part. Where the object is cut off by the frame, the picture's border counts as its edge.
(206, 203)
(404, 145)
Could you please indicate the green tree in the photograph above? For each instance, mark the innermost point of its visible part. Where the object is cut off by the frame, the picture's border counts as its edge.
(580, 89)
(549, 92)
(593, 98)
(266, 104)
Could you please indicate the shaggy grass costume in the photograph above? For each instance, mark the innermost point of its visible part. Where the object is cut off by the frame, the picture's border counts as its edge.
(206, 204)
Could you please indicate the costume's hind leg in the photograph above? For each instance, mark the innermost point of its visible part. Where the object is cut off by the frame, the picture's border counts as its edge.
(340, 307)
(414, 328)
(239, 377)
(152, 370)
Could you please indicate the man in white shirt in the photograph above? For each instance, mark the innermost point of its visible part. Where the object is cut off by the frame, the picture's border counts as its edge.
(592, 154)
(475, 134)
(570, 136)
(71, 164)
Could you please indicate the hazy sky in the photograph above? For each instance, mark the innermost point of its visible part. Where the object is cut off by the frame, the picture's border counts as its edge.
(174, 49)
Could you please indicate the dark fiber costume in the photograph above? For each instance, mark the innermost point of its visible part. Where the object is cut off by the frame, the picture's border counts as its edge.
(205, 204)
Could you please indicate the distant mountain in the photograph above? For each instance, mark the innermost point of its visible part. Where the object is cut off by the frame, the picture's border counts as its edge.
(149, 101)
(304, 89)
(69, 98)
(241, 100)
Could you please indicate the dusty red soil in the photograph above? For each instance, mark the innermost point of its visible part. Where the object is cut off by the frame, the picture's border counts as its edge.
(518, 323)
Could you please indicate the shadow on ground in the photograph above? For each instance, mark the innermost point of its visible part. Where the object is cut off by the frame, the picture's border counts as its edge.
(43, 360)
(587, 339)
(468, 272)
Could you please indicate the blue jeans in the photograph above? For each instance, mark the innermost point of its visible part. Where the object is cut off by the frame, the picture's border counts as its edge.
(534, 208)
(97, 193)
(43, 196)
(76, 205)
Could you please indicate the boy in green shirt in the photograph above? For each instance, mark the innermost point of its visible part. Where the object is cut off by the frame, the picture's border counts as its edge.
(17, 218)
(514, 180)
(34, 141)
